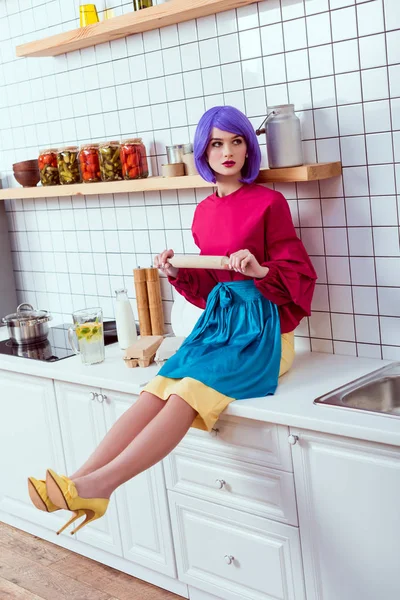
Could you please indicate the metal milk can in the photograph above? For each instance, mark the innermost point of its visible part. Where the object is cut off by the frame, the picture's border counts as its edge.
(282, 128)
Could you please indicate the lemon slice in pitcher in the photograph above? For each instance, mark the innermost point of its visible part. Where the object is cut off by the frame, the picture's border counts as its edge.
(92, 332)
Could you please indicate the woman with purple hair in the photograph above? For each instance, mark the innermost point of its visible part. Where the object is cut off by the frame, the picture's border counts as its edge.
(242, 342)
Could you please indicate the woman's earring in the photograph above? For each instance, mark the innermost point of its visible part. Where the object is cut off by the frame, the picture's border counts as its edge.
(247, 156)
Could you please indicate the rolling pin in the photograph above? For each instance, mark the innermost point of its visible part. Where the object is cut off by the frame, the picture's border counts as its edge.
(198, 262)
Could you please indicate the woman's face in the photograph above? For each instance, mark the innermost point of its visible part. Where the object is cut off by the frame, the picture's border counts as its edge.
(226, 152)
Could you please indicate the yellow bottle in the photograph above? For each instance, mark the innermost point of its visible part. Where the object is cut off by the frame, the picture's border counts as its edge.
(88, 15)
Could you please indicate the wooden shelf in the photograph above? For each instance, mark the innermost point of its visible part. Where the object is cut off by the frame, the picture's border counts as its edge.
(311, 172)
(173, 11)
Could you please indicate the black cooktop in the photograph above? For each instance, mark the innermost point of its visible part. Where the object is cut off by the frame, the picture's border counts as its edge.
(56, 347)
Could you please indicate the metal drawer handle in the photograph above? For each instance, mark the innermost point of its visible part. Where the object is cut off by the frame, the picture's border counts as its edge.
(93, 395)
(229, 559)
(220, 483)
(293, 439)
(101, 398)
(215, 431)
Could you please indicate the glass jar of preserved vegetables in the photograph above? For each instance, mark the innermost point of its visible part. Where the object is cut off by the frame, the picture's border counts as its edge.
(89, 163)
(68, 166)
(134, 160)
(110, 161)
(48, 167)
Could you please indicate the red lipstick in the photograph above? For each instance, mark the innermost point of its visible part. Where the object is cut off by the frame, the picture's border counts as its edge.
(229, 163)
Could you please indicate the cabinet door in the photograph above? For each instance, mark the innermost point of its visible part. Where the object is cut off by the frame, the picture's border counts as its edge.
(234, 555)
(83, 427)
(348, 499)
(30, 442)
(142, 506)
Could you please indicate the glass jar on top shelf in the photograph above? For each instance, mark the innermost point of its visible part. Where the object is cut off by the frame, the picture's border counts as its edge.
(48, 167)
(134, 159)
(68, 165)
(110, 161)
(89, 163)
(139, 4)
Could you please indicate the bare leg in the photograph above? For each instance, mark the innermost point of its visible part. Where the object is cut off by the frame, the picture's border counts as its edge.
(149, 447)
(128, 426)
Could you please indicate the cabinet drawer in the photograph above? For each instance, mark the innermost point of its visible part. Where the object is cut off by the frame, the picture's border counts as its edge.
(254, 489)
(233, 555)
(260, 443)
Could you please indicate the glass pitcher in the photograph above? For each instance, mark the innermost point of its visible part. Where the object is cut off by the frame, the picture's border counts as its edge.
(88, 328)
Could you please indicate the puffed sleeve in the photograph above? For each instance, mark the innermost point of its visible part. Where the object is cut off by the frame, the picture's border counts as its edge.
(194, 284)
(290, 281)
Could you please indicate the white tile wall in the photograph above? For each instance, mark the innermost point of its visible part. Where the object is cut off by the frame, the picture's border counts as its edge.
(338, 61)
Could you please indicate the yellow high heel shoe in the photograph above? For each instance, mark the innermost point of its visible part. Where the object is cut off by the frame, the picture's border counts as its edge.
(62, 492)
(38, 494)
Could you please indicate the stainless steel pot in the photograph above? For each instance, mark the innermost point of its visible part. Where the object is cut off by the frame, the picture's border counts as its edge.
(27, 325)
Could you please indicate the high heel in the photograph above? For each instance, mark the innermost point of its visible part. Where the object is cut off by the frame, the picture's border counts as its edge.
(63, 493)
(38, 494)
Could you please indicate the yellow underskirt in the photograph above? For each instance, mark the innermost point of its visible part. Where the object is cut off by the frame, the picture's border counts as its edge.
(206, 401)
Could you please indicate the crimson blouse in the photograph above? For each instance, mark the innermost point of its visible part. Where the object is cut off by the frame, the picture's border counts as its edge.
(258, 219)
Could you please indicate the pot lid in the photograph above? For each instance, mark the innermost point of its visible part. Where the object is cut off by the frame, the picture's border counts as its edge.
(27, 314)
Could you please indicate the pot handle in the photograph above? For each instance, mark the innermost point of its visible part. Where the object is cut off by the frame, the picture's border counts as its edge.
(29, 306)
(71, 340)
(259, 131)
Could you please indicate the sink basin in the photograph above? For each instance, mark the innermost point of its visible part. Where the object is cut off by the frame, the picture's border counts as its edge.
(377, 392)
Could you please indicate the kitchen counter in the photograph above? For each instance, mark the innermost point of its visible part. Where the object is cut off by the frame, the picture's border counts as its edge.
(312, 375)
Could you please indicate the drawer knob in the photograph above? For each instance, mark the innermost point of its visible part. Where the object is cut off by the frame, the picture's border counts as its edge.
(293, 439)
(101, 398)
(229, 559)
(93, 395)
(220, 483)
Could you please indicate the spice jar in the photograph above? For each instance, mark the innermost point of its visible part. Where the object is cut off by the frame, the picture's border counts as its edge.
(110, 161)
(134, 160)
(48, 167)
(68, 167)
(89, 163)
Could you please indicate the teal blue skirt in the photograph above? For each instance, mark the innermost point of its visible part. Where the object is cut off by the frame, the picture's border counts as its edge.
(235, 346)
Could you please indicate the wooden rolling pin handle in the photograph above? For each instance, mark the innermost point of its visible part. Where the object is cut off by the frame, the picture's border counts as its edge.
(198, 262)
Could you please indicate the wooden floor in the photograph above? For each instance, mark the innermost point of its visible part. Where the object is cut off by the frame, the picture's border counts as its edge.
(33, 569)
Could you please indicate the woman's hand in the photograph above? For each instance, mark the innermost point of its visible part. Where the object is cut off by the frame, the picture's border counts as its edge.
(243, 261)
(161, 262)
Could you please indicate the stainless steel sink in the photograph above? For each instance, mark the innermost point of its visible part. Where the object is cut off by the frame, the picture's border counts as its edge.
(377, 392)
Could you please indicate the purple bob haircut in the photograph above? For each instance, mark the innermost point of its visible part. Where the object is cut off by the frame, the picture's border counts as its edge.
(226, 118)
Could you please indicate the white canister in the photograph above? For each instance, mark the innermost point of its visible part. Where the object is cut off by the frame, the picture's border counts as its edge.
(283, 133)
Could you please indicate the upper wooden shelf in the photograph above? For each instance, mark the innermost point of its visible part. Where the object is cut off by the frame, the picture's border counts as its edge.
(173, 11)
(312, 172)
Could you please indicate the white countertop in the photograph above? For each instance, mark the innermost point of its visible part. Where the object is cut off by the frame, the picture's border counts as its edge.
(312, 375)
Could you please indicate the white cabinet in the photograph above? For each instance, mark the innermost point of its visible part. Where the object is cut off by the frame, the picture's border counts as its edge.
(142, 506)
(348, 495)
(136, 525)
(83, 426)
(235, 555)
(233, 512)
(30, 442)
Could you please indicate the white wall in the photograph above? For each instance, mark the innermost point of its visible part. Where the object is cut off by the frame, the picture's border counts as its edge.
(336, 60)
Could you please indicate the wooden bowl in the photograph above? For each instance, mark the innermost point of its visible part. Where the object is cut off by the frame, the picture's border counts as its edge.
(29, 178)
(26, 165)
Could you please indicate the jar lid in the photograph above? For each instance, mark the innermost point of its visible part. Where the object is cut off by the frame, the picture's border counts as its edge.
(27, 316)
(68, 149)
(132, 141)
(108, 144)
(84, 146)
